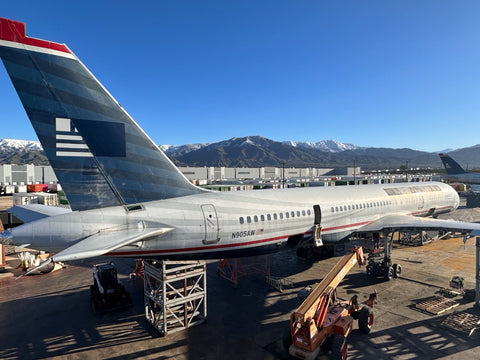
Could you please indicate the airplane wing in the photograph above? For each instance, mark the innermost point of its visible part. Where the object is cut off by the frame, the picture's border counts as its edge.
(32, 212)
(399, 222)
(104, 242)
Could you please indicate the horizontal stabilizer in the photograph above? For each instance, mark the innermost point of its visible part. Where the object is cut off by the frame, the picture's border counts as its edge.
(398, 222)
(104, 242)
(32, 212)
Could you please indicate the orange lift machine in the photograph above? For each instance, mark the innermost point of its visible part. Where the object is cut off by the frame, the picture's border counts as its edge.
(321, 321)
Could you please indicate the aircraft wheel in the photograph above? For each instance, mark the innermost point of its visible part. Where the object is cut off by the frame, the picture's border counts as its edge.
(287, 338)
(339, 348)
(96, 304)
(365, 320)
(369, 270)
(389, 272)
(397, 270)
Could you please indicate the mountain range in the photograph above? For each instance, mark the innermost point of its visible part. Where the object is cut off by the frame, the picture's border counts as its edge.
(257, 151)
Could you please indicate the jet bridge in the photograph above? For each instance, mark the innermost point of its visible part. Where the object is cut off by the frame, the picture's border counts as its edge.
(175, 294)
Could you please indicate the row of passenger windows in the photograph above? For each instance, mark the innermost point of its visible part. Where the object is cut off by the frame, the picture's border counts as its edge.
(360, 206)
(372, 204)
(274, 216)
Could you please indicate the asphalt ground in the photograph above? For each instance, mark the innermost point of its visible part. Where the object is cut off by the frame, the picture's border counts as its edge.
(50, 317)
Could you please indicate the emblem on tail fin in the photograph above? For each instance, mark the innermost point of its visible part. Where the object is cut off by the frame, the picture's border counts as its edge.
(69, 142)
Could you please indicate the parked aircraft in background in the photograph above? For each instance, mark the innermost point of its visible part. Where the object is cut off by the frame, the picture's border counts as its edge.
(129, 200)
(457, 173)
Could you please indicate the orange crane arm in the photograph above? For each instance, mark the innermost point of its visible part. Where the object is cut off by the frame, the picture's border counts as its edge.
(316, 304)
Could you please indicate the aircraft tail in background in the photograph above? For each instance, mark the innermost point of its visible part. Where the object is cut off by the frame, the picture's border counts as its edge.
(451, 166)
(99, 154)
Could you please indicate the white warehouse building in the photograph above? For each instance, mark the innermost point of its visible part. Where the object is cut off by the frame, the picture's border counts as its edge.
(30, 174)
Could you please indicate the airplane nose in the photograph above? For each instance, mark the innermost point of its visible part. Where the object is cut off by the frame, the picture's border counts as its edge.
(6, 237)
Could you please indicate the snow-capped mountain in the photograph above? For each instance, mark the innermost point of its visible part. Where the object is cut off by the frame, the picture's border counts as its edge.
(324, 145)
(178, 150)
(19, 145)
(257, 151)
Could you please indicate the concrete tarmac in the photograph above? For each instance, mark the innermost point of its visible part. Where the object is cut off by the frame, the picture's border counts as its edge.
(49, 316)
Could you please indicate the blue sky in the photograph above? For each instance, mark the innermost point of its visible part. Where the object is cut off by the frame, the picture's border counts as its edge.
(372, 73)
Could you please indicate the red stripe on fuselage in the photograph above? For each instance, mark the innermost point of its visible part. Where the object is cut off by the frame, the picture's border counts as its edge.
(11, 30)
(246, 243)
(222, 246)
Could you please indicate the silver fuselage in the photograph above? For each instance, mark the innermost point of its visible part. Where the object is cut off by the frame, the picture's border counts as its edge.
(222, 224)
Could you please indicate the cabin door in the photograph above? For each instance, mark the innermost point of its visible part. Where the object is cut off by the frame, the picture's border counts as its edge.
(211, 224)
(317, 227)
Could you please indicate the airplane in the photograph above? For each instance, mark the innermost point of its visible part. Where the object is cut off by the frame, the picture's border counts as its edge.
(129, 200)
(457, 173)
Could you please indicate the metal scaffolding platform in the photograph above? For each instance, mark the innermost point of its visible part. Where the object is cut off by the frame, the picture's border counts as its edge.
(233, 269)
(175, 294)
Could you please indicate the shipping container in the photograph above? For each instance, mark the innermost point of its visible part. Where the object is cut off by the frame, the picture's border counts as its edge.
(36, 187)
(47, 199)
(54, 187)
(24, 198)
(21, 188)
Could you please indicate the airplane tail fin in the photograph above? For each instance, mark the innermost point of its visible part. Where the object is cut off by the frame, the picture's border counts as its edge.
(451, 166)
(99, 154)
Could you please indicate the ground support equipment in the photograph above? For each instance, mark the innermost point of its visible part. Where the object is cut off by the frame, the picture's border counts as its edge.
(175, 294)
(107, 293)
(379, 261)
(321, 322)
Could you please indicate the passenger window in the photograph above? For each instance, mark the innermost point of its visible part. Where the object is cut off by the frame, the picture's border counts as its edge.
(298, 213)
(308, 212)
(304, 213)
(269, 217)
(333, 210)
(255, 218)
(241, 220)
(292, 213)
(287, 215)
(262, 217)
(281, 215)
(275, 216)
(249, 219)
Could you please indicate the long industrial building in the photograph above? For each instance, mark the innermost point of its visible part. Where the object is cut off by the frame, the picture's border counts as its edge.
(30, 174)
